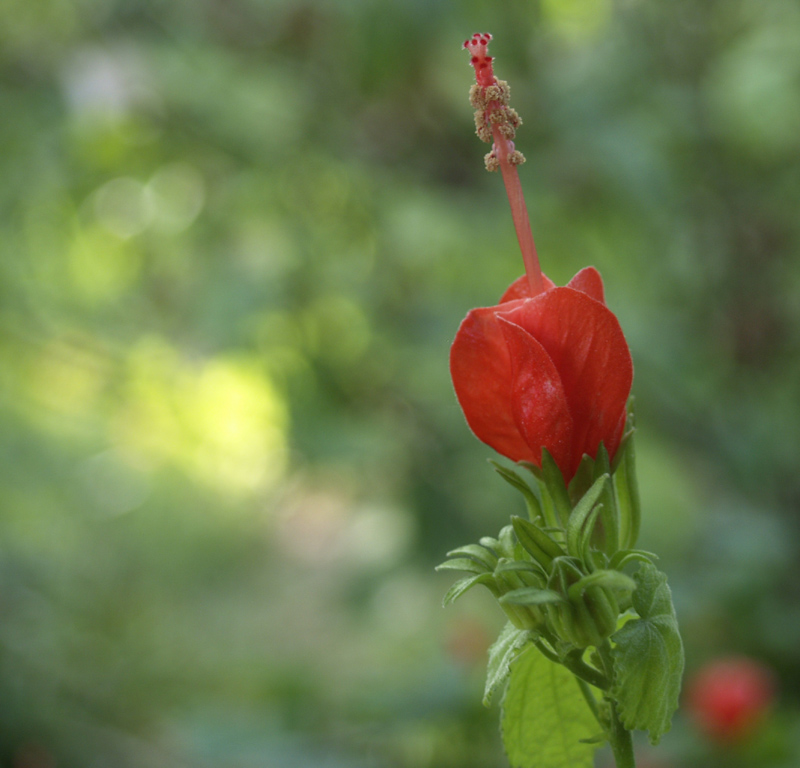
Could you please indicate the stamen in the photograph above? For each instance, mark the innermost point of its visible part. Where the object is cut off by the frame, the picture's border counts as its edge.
(496, 121)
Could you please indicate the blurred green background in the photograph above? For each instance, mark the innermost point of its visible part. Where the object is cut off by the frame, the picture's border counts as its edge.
(236, 240)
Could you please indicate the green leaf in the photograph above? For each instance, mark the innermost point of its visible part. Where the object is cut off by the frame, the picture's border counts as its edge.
(465, 584)
(545, 716)
(501, 654)
(648, 658)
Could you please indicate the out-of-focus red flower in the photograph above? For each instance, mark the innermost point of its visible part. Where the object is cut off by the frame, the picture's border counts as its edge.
(729, 697)
(547, 371)
(467, 641)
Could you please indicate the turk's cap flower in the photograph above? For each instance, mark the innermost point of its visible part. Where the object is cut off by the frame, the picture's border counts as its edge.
(547, 371)
(547, 367)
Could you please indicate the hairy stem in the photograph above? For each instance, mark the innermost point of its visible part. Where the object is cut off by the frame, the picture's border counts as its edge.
(583, 671)
(621, 742)
(546, 652)
(618, 735)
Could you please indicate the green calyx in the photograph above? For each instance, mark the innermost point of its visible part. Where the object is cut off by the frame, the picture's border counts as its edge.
(559, 571)
(575, 589)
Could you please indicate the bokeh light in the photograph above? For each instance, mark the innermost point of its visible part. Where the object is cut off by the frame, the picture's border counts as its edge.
(236, 241)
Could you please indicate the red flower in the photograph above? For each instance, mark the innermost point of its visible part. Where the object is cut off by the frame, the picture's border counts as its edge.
(547, 371)
(547, 367)
(728, 698)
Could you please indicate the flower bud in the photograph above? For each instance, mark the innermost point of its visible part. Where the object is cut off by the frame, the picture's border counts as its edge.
(589, 614)
(602, 607)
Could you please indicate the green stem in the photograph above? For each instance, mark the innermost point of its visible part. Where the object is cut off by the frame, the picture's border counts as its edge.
(546, 652)
(572, 661)
(618, 735)
(590, 700)
(621, 742)
(583, 671)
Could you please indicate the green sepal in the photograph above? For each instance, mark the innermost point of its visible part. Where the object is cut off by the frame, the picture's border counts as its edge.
(605, 579)
(504, 565)
(625, 556)
(627, 488)
(648, 658)
(594, 618)
(493, 545)
(627, 433)
(603, 607)
(583, 478)
(465, 584)
(565, 572)
(531, 596)
(462, 564)
(610, 512)
(477, 553)
(564, 616)
(582, 519)
(515, 481)
(545, 716)
(502, 652)
(507, 541)
(602, 464)
(595, 559)
(553, 481)
(539, 545)
(514, 574)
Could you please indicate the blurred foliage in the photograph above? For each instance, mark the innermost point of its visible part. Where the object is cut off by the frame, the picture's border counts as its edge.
(236, 240)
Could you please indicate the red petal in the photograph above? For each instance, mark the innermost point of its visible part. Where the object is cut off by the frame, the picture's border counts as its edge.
(588, 281)
(480, 366)
(585, 343)
(521, 288)
(539, 402)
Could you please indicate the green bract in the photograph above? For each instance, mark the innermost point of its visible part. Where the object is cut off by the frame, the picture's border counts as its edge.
(501, 654)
